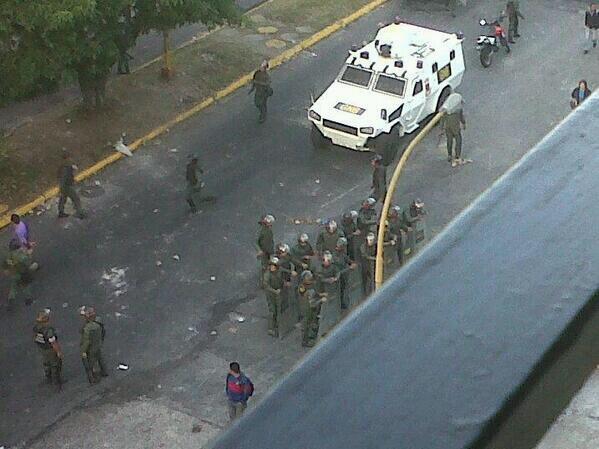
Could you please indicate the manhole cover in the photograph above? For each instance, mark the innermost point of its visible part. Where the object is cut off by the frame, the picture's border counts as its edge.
(276, 43)
(91, 191)
(267, 30)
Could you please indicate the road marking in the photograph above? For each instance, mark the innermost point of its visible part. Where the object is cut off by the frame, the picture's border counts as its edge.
(338, 197)
(240, 82)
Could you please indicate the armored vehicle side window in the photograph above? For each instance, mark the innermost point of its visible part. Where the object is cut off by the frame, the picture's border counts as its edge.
(444, 73)
(417, 88)
(390, 85)
(357, 76)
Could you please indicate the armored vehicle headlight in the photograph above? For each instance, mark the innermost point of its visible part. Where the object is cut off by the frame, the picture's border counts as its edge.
(368, 130)
(313, 115)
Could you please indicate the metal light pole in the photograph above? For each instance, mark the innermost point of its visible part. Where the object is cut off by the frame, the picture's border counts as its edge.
(451, 105)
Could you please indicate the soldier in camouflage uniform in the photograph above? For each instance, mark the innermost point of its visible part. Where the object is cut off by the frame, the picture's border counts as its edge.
(367, 219)
(262, 89)
(328, 286)
(351, 232)
(368, 255)
(46, 339)
(310, 301)
(379, 179)
(327, 239)
(92, 337)
(273, 287)
(66, 183)
(396, 227)
(20, 267)
(265, 242)
(343, 263)
(302, 253)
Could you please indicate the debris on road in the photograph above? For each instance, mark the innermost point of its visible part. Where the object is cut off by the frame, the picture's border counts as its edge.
(68, 121)
(96, 183)
(234, 316)
(233, 330)
(158, 263)
(213, 333)
(317, 181)
(213, 278)
(155, 211)
(197, 428)
(173, 150)
(123, 367)
(65, 305)
(176, 257)
(122, 148)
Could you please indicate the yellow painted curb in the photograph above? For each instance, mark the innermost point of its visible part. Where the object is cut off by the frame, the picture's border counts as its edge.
(240, 82)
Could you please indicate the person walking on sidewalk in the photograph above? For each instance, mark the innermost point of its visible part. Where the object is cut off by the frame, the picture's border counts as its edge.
(262, 90)
(579, 94)
(46, 339)
(92, 337)
(239, 388)
(591, 27)
(66, 183)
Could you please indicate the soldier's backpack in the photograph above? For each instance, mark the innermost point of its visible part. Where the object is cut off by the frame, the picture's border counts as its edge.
(103, 329)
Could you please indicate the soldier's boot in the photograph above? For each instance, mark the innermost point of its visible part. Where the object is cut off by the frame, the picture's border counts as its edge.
(192, 206)
(57, 377)
(102, 365)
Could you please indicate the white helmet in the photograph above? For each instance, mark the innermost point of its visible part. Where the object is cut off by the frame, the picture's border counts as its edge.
(303, 238)
(331, 225)
(327, 256)
(268, 219)
(370, 238)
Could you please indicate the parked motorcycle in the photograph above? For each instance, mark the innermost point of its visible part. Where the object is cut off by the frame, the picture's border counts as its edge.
(489, 43)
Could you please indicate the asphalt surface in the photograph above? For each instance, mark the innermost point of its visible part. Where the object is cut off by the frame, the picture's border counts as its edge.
(432, 363)
(138, 215)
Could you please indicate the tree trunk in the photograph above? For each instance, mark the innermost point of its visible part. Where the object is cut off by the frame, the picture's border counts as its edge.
(167, 71)
(93, 89)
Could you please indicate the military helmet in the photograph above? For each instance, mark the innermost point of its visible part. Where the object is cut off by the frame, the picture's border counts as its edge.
(282, 248)
(274, 261)
(369, 202)
(370, 238)
(327, 256)
(307, 276)
(43, 316)
(331, 225)
(87, 311)
(347, 215)
(268, 219)
(341, 241)
(377, 159)
(394, 211)
(418, 203)
(303, 238)
(354, 213)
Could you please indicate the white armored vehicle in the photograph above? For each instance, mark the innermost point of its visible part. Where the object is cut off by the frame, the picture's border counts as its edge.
(387, 87)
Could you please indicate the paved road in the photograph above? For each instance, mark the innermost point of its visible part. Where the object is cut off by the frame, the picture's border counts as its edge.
(140, 217)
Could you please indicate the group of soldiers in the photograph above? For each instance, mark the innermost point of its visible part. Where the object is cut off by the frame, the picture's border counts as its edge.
(92, 337)
(316, 285)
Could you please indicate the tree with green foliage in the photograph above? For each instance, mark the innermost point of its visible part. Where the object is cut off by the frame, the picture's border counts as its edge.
(44, 44)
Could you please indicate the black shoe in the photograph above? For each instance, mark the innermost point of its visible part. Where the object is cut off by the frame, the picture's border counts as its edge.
(62, 215)
(594, 44)
(516, 35)
(586, 52)
(28, 301)
(81, 216)
(512, 42)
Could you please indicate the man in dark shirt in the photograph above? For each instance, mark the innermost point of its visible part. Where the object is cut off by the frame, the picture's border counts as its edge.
(591, 24)
(66, 183)
(194, 185)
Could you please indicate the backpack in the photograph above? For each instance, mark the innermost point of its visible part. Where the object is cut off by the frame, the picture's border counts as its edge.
(248, 387)
(103, 329)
